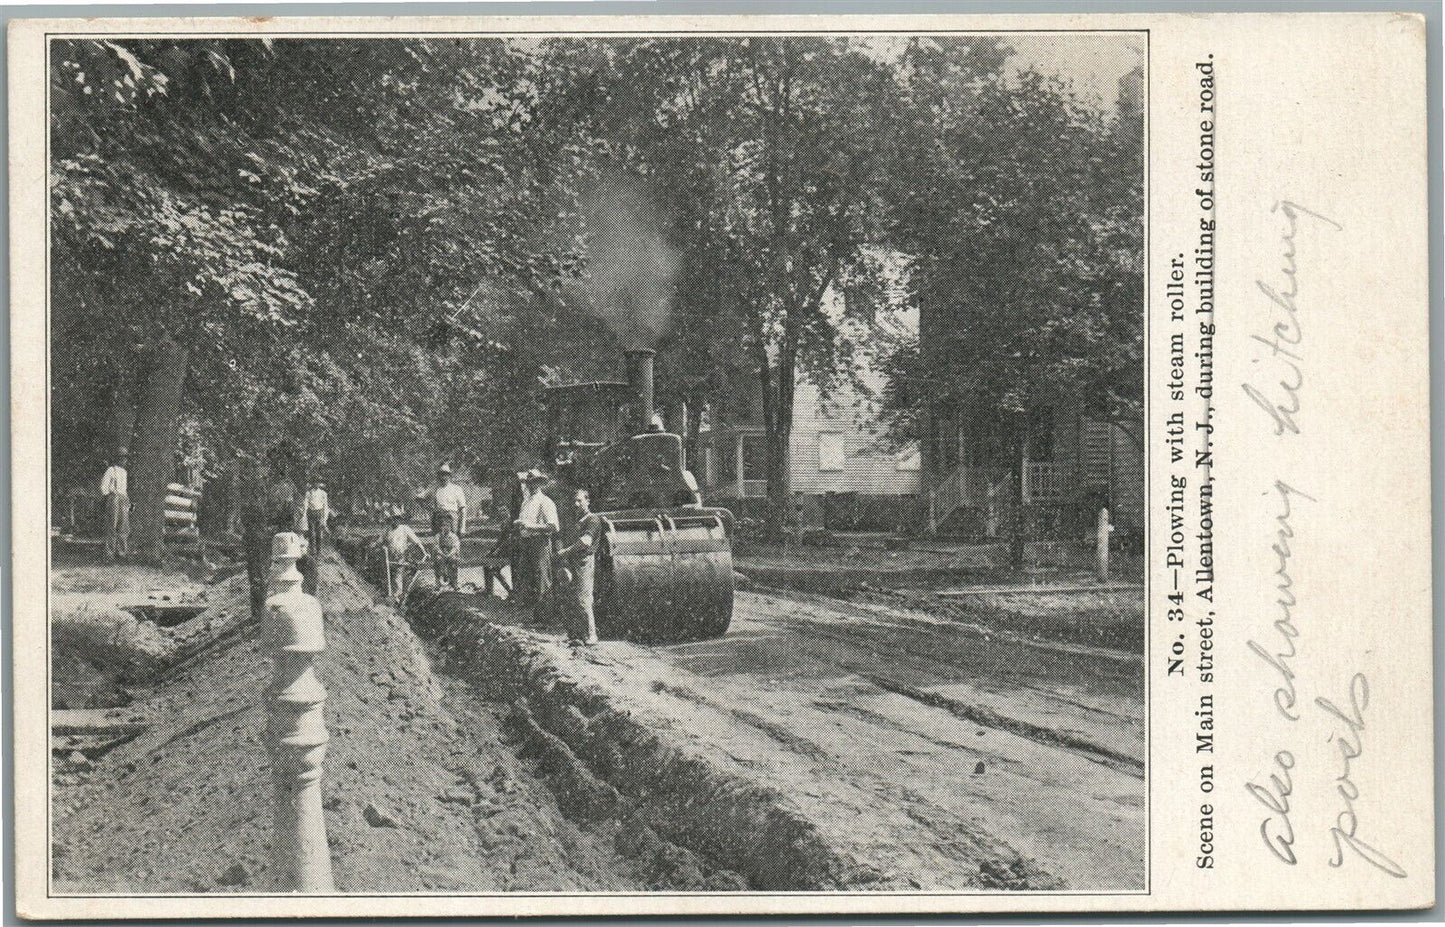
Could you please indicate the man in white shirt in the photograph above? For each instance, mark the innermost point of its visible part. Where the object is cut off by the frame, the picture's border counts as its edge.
(318, 515)
(511, 542)
(450, 502)
(113, 488)
(397, 542)
(537, 524)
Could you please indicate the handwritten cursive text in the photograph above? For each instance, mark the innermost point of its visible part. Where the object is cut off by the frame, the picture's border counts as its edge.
(1276, 829)
(1285, 694)
(1350, 742)
(1281, 400)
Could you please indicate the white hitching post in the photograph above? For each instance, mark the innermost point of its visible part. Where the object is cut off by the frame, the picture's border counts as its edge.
(296, 734)
(1103, 545)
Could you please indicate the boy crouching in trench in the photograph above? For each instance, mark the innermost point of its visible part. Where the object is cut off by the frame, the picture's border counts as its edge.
(447, 558)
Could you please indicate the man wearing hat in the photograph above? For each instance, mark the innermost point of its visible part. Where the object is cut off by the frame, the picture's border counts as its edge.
(397, 543)
(117, 507)
(580, 560)
(318, 514)
(449, 502)
(537, 524)
(509, 545)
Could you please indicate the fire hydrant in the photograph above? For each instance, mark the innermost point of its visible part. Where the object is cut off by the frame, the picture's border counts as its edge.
(296, 733)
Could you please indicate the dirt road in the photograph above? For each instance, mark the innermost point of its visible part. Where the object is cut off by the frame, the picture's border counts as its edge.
(890, 741)
(998, 744)
(931, 746)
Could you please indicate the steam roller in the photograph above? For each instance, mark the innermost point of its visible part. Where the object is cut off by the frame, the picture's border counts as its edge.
(664, 563)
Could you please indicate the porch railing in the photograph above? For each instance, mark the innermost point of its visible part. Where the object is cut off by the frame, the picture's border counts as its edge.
(990, 491)
(1043, 481)
(987, 490)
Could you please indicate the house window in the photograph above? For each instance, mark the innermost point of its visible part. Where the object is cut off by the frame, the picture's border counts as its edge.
(830, 451)
(910, 461)
(755, 457)
(1041, 434)
(727, 458)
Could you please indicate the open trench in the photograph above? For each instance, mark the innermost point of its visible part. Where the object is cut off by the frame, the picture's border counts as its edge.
(824, 744)
(691, 823)
(821, 744)
(687, 819)
(599, 816)
(432, 782)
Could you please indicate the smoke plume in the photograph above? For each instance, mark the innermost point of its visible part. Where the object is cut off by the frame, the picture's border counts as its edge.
(630, 266)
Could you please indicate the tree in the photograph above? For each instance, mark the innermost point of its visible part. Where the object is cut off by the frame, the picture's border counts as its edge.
(147, 256)
(277, 238)
(1024, 212)
(776, 153)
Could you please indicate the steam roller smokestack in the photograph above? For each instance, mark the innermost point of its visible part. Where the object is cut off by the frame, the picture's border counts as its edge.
(639, 375)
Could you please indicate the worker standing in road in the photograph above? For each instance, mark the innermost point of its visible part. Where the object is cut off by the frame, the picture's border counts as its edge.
(449, 503)
(318, 515)
(580, 561)
(113, 487)
(267, 508)
(537, 525)
(289, 514)
(254, 496)
(510, 544)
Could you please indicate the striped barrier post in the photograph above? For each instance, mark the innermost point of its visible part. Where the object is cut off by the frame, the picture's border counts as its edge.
(182, 516)
(296, 732)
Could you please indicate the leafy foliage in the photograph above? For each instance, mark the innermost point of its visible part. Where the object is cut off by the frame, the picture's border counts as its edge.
(774, 155)
(376, 252)
(1024, 212)
(307, 218)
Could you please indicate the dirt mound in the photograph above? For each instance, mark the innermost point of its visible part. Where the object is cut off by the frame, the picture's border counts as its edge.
(597, 756)
(68, 576)
(420, 792)
(104, 642)
(117, 626)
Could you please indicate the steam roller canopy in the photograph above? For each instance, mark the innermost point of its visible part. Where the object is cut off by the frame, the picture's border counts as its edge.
(665, 577)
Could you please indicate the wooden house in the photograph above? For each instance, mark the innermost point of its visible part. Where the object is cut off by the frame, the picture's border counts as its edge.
(842, 470)
(959, 480)
(1072, 466)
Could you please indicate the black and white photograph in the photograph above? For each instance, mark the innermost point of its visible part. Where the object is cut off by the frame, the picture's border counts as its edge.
(543, 463)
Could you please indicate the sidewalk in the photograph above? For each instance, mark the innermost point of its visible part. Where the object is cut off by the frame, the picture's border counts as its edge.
(842, 566)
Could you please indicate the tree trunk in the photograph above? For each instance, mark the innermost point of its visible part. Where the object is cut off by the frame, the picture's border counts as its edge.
(254, 491)
(1020, 521)
(779, 435)
(771, 523)
(122, 417)
(152, 457)
(779, 482)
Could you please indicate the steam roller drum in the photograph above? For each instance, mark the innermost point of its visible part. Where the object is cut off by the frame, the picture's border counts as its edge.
(665, 577)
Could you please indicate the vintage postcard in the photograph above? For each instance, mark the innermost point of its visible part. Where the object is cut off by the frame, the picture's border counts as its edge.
(720, 464)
